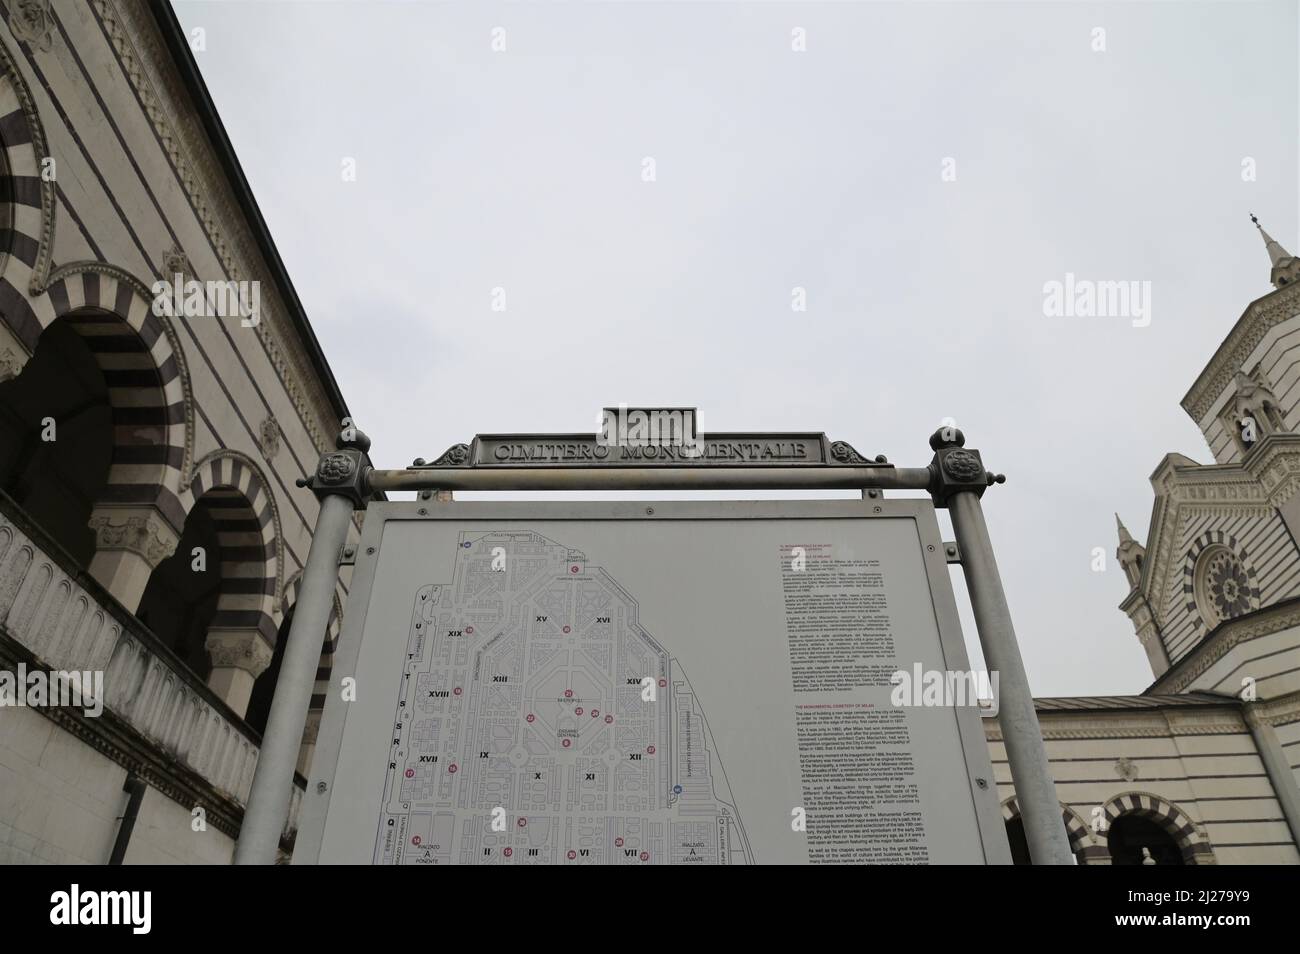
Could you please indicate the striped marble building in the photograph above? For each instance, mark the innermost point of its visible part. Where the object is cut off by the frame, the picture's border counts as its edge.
(150, 526)
(1203, 767)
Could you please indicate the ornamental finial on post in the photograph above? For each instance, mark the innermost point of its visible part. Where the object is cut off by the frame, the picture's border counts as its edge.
(344, 472)
(955, 469)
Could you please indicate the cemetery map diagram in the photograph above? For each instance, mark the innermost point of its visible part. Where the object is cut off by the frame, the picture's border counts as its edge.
(524, 731)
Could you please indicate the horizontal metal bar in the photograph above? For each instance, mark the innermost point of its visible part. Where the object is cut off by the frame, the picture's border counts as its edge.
(651, 478)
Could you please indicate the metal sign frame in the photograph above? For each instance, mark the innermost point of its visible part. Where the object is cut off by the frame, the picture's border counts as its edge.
(979, 772)
(955, 478)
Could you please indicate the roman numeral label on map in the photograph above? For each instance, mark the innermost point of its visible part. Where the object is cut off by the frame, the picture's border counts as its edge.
(535, 687)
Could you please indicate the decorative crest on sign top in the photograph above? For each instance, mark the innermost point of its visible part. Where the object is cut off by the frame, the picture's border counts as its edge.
(457, 455)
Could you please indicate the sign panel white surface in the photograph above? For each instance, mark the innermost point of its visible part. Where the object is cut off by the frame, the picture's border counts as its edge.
(649, 683)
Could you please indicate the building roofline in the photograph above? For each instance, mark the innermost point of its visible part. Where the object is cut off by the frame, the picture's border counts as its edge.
(1233, 350)
(1202, 646)
(1132, 703)
(178, 46)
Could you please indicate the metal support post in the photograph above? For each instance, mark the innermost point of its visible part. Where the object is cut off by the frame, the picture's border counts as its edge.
(959, 481)
(339, 483)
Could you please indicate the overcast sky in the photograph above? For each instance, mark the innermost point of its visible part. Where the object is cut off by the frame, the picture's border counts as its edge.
(825, 169)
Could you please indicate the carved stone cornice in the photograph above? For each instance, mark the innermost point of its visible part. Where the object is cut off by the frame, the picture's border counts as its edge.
(1082, 726)
(138, 44)
(238, 649)
(1275, 463)
(140, 529)
(1260, 316)
(1196, 663)
(1085, 733)
(1275, 712)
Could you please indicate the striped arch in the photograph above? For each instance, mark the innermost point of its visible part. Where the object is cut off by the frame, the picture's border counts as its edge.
(1219, 540)
(148, 382)
(248, 527)
(326, 667)
(1195, 848)
(26, 197)
(1082, 843)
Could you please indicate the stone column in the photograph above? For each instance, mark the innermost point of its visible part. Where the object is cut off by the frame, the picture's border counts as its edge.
(130, 540)
(239, 656)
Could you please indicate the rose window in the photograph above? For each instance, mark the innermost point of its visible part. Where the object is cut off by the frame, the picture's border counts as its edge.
(1223, 589)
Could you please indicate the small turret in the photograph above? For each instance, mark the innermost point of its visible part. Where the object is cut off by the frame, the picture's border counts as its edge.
(1286, 267)
(1130, 554)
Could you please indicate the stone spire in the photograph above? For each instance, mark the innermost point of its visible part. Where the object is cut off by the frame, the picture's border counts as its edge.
(1130, 554)
(1286, 268)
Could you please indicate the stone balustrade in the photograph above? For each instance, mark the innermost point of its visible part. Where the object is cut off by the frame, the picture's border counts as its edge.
(68, 622)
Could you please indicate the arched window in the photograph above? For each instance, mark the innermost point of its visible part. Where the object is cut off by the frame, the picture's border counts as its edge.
(1136, 840)
(56, 437)
(211, 599)
(1020, 844)
(1145, 828)
(259, 705)
(180, 600)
